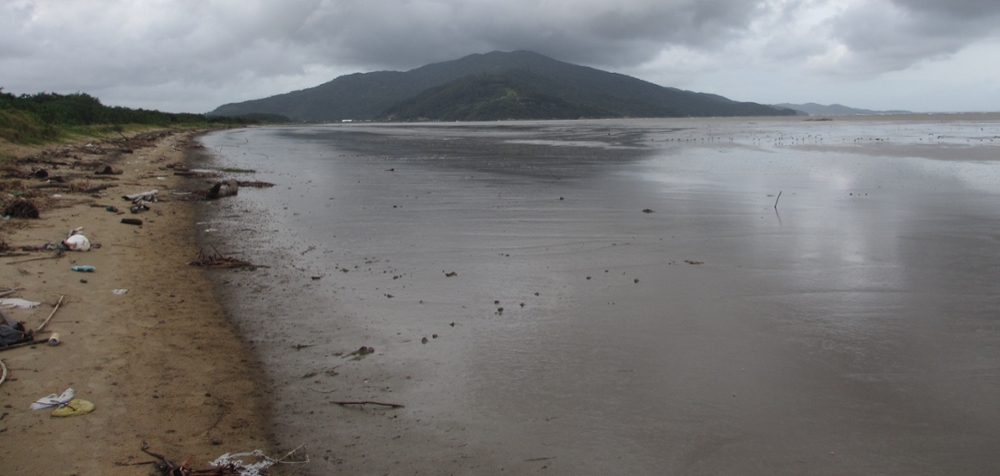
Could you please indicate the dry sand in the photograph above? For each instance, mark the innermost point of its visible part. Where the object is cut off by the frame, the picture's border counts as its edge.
(161, 363)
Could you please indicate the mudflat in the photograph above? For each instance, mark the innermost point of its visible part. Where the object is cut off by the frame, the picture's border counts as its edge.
(160, 363)
(624, 296)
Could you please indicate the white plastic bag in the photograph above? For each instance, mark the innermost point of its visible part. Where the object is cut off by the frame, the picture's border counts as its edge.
(53, 400)
(76, 241)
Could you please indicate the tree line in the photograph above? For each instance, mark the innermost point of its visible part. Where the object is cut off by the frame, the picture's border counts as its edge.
(44, 116)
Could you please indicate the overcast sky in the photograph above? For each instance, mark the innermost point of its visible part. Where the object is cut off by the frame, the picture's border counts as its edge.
(194, 55)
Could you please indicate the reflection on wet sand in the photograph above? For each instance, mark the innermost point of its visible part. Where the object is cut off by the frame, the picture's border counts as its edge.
(532, 318)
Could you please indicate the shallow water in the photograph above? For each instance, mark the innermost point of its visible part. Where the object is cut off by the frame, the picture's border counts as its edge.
(660, 314)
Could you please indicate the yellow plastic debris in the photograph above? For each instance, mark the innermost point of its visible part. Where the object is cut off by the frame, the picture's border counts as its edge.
(75, 406)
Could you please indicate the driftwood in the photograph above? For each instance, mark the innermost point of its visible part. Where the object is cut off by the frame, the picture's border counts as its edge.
(50, 185)
(219, 260)
(217, 191)
(141, 196)
(255, 184)
(47, 319)
(187, 173)
(369, 402)
(98, 188)
(24, 344)
(59, 254)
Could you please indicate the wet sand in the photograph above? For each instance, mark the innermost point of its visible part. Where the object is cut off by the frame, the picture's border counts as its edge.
(659, 313)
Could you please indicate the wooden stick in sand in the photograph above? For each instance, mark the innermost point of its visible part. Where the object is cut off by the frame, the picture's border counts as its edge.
(51, 314)
(55, 256)
(24, 344)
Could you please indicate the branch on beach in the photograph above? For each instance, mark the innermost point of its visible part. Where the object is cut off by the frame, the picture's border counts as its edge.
(98, 188)
(255, 184)
(219, 260)
(226, 464)
(369, 402)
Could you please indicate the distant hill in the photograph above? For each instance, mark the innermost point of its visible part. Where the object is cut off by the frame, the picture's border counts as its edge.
(511, 95)
(813, 109)
(497, 85)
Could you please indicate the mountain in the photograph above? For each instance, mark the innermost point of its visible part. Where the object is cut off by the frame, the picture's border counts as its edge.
(511, 95)
(813, 109)
(536, 87)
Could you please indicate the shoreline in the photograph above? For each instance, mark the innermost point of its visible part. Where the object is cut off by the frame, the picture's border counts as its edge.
(162, 363)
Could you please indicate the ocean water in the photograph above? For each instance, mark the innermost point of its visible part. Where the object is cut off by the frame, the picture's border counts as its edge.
(624, 296)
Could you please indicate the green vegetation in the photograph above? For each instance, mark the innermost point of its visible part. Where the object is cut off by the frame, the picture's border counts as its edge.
(21, 127)
(513, 95)
(43, 117)
(544, 88)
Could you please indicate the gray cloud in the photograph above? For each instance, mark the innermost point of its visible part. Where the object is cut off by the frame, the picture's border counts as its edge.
(234, 50)
(894, 35)
(399, 34)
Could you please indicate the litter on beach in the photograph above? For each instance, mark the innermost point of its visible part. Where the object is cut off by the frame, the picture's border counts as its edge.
(74, 407)
(229, 463)
(17, 303)
(13, 333)
(53, 400)
(147, 196)
(76, 241)
(119, 291)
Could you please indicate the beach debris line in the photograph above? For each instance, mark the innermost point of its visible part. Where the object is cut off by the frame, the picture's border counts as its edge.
(227, 464)
(21, 208)
(218, 260)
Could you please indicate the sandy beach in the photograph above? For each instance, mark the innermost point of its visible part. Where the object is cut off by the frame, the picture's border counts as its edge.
(160, 363)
